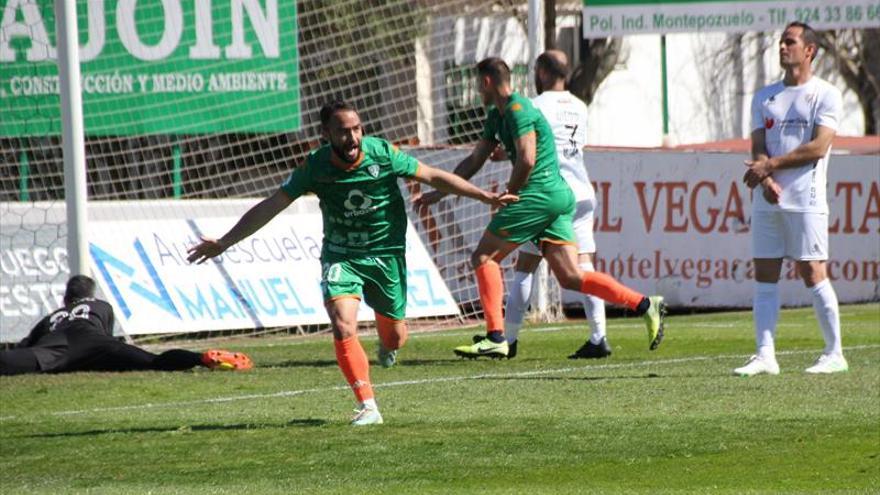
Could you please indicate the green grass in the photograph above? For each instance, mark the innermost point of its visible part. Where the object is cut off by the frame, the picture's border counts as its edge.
(669, 421)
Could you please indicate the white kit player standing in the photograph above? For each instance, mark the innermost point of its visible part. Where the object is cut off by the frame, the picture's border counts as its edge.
(793, 122)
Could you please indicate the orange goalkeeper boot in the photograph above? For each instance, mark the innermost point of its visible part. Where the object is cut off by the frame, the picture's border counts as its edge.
(226, 361)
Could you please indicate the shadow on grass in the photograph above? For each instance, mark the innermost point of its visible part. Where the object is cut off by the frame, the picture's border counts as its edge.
(301, 423)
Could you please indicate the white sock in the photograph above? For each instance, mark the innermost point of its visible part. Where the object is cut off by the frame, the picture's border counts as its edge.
(825, 305)
(370, 404)
(765, 308)
(594, 309)
(517, 303)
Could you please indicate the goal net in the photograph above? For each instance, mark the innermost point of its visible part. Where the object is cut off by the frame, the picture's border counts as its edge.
(215, 100)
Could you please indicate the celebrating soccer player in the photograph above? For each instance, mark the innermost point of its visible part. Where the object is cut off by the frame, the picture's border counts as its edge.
(567, 116)
(355, 179)
(543, 215)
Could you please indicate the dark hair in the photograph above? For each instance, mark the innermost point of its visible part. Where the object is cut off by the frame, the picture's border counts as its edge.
(554, 66)
(79, 287)
(328, 110)
(495, 68)
(808, 34)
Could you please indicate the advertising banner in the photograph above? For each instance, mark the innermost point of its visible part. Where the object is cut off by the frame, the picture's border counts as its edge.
(677, 224)
(270, 279)
(604, 18)
(155, 66)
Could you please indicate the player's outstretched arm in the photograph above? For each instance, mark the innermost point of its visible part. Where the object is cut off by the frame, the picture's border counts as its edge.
(250, 222)
(451, 183)
(465, 169)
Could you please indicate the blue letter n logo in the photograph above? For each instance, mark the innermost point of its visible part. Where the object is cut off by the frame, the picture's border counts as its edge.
(104, 261)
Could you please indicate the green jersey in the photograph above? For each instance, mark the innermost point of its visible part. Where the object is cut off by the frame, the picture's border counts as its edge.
(363, 210)
(521, 117)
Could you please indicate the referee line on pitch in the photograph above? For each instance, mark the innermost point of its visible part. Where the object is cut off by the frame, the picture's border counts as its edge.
(424, 381)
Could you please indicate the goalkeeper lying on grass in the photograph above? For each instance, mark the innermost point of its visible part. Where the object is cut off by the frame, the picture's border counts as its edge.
(79, 337)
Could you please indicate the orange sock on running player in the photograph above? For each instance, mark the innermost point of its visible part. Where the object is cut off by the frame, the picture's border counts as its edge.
(354, 365)
(491, 288)
(392, 333)
(604, 286)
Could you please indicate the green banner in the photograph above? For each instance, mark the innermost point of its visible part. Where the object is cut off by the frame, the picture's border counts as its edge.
(155, 67)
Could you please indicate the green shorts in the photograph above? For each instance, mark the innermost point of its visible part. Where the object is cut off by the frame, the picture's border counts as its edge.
(379, 280)
(537, 217)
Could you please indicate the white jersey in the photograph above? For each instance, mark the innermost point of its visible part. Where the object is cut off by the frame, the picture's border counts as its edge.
(567, 115)
(789, 115)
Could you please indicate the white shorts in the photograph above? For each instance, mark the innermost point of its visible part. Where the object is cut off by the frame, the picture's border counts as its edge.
(790, 234)
(583, 229)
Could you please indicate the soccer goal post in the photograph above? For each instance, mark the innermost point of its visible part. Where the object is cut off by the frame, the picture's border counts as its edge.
(73, 141)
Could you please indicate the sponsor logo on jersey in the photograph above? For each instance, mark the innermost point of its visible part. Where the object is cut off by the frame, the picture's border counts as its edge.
(358, 204)
(787, 123)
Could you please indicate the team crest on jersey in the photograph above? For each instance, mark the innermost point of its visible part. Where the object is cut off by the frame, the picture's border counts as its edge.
(768, 123)
(373, 170)
(516, 107)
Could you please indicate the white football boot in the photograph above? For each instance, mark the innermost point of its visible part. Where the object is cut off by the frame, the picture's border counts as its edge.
(364, 415)
(758, 365)
(828, 363)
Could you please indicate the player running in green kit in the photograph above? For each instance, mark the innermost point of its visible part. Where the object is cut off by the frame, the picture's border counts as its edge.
(356, 180)
(543, 214)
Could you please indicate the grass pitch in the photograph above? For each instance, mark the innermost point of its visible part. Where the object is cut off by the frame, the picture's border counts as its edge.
(669, 421)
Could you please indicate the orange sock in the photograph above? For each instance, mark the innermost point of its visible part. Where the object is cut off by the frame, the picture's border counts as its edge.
(491, 288)
(393, 333)
(354, 365)
(604, 286)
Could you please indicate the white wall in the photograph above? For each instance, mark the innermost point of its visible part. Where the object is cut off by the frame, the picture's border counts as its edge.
(704, 102)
